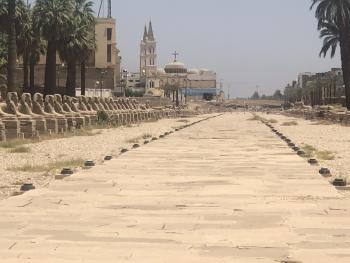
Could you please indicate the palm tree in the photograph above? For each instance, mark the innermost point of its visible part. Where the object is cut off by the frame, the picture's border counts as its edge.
(12, 48)
(334, 19)
(25, 34)
(52, 18)
(88, 48)
(36, 49)
(331, 38)
(79, 42)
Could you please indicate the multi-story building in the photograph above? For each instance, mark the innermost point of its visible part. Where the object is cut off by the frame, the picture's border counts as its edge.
(102, 69)
(303, 78)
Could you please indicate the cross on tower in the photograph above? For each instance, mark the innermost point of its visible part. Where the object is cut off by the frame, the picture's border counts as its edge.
(175, 55)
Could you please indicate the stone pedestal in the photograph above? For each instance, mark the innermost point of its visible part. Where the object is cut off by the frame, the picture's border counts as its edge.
(41, 124)
(2, 132)
(28, 127)
(62, 124)
(87, 119)
(52, 124)
(69, 121)
(79, 122)
(12, 127)
(93, 119)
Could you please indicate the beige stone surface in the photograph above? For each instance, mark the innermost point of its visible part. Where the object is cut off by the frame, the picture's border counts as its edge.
(224, 190)
(104, 142)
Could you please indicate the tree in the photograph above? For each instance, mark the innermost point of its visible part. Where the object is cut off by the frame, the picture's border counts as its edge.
(256, 96)
(20, 26)
(52, 19)
(25, 34)
(334, 23)
(89, 47)
(78, 43)
(277, 95)
(12, 48)
(3, 52)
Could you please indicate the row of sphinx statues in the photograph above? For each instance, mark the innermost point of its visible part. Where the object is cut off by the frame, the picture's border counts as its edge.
(28, 116)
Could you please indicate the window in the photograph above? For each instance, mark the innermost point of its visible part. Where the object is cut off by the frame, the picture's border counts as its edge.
(109, 34)
(109, 53)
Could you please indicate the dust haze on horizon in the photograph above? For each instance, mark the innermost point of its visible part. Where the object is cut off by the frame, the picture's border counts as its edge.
(250, 44)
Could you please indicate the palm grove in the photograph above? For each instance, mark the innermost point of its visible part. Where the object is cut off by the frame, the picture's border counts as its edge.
(50, 27)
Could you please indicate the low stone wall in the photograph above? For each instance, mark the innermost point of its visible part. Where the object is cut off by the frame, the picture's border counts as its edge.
(156, 101)
(342, 117)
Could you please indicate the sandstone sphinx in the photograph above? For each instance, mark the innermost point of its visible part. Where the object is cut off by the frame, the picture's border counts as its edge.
(38, 109)
(58, 107)
(10, 121)
(81, 105)
(27, 125)
(49, 107)
(26, 107)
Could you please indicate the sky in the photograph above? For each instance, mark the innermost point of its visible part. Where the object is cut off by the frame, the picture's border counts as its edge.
(255, 44)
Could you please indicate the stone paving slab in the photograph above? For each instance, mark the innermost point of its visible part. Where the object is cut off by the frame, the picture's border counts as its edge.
(224, 190)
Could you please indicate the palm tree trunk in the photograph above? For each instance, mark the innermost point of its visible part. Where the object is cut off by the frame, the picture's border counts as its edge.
(31, 77)
(50, 69)
(177, 97)
(83, 77)
(71, 78)
(12, 48)
(25, 72)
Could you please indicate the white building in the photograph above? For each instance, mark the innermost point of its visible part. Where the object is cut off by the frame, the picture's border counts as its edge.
(175, 75)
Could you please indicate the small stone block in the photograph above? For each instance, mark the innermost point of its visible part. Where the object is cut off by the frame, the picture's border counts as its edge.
(89, 164)
(295, 148)
(124, 150)
(301, 153)
(339, 182)
(312, 161)
(67, 171)
(27, 187)
(325, 171)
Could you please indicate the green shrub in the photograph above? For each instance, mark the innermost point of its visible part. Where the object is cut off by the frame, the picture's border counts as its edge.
(102, 117)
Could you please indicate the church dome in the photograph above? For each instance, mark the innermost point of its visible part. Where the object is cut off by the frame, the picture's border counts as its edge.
(175, 67)
(193, 71)
(160, 71)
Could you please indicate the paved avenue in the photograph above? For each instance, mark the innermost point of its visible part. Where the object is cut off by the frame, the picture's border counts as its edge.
(224, 190)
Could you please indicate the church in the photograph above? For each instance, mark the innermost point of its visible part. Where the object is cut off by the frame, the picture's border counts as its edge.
(175, 79)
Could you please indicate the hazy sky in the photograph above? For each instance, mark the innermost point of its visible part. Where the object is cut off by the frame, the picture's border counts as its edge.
(263, 43)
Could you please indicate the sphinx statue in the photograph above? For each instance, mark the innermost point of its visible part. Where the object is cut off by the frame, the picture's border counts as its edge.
(26, 107)
(92, 105)
(49, 107)
(144, 113)
(27, 124)
(82, 118)
(9, 118)
(126, 114)
(66, 112)
(38, 108)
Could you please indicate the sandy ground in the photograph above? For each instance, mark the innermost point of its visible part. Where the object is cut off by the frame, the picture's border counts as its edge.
(106, 142)
(322, 136)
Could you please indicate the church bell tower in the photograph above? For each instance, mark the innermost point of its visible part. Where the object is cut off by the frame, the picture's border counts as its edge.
(148, 58)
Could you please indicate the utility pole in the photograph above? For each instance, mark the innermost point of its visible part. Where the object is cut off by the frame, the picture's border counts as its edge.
(228, 91)
(109, 9)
